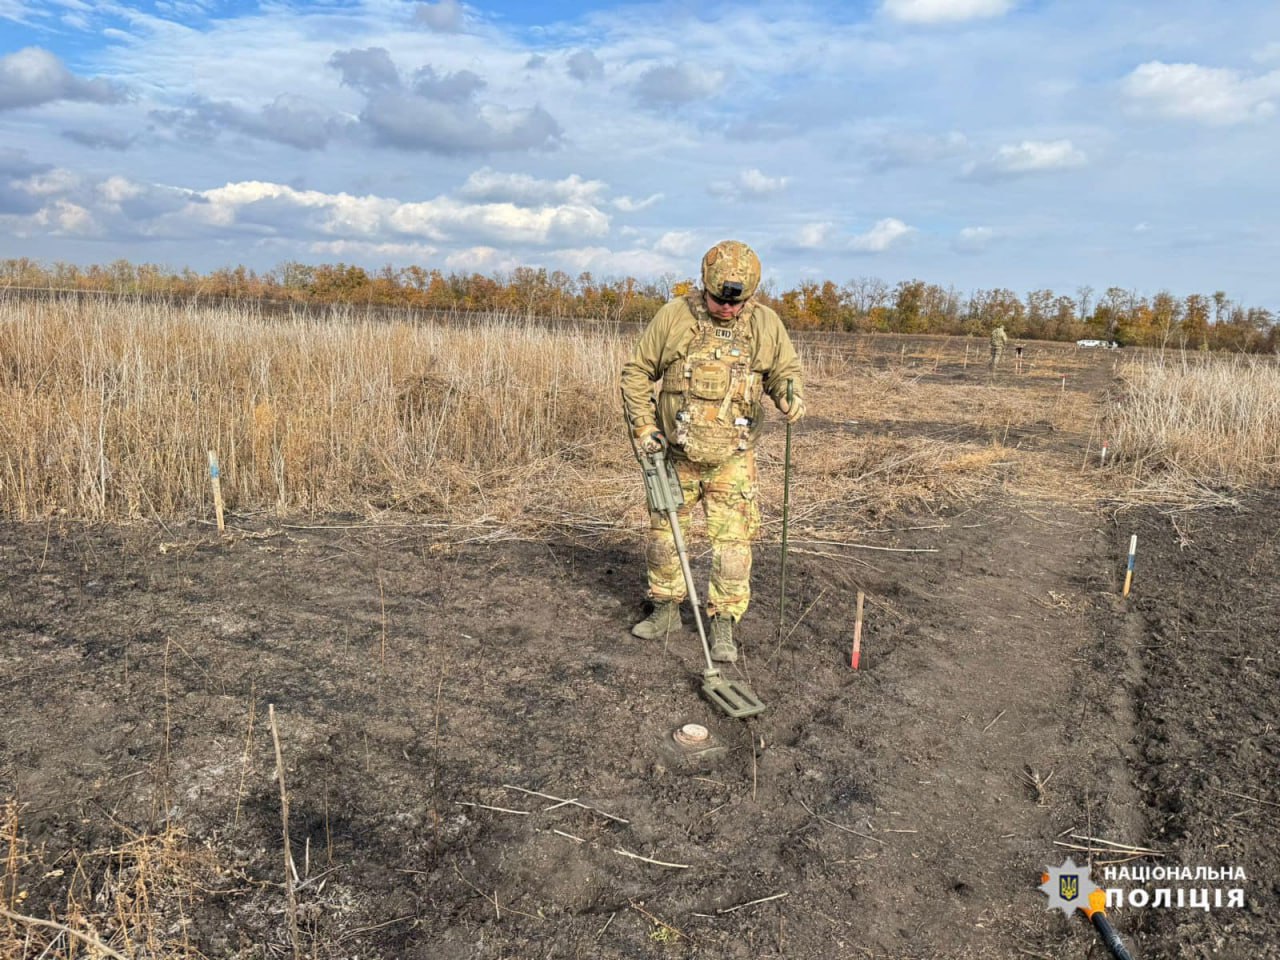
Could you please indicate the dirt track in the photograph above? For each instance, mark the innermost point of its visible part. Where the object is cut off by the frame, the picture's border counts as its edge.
(882, 813)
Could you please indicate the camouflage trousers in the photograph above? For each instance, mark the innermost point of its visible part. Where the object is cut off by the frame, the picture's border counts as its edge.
(728, 497)
(997, 352)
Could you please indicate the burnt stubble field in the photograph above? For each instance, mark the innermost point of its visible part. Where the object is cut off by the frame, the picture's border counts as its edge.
(477, 755)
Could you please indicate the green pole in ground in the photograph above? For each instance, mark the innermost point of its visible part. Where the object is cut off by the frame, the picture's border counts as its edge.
(786, 510)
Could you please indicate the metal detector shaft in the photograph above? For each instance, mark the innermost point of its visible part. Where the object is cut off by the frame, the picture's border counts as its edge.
(663, 489)
(1110, 937)
(688, 582)
(786, 509)
(665, 496)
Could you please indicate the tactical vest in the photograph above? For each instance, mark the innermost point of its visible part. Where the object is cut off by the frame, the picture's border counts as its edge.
(717, 387)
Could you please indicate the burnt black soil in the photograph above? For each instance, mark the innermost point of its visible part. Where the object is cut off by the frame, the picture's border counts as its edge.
(1205, 615)
(418, 685)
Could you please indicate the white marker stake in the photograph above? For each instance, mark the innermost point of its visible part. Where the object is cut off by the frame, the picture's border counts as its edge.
(1128, 574)
(216, 479)
(1103, 459)
(856, 655)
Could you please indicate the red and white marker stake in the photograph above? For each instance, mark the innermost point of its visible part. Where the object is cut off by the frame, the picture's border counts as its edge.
(857, 634)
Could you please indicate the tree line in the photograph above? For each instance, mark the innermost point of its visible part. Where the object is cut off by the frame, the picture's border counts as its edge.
(865, 304)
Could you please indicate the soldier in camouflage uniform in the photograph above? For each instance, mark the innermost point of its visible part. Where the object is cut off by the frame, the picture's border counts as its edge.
(998, 340)
(716, 352)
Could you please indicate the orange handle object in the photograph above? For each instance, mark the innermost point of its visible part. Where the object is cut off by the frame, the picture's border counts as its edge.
(1095, 909)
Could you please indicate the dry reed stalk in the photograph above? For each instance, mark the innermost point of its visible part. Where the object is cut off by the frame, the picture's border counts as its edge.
(382, 604)
(105, 407)
(165, 760)
(92, 942)
(244, 755)
(139, 891)
(1185, 428)
(290, 872)
(13, 860)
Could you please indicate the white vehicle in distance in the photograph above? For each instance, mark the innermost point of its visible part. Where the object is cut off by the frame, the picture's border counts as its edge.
(1104, 344)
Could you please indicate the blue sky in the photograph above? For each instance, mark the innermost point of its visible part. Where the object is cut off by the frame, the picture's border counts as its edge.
(971, 143)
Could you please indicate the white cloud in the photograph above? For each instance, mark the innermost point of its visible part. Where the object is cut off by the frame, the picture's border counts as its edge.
(53, 182)
(748, 183)
(668, 85)
(290, 120)
(973, 239)
(33, 76)
(364, 250)
(631, 205)
(676, 243)
(499, 222)
(370, 217)
(439, 112)
(14, 10)
(1027, 158)
(883, 103)
(945, 11)
(882, 236)
(812, 236)
(65, 217)
(489, 185)
(605, 262)
(825, 235)
(118, 189)
(550, 212)
(481, 260)
(1216, 95)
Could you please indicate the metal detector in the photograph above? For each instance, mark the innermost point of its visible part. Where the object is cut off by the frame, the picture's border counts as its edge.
(662, 488)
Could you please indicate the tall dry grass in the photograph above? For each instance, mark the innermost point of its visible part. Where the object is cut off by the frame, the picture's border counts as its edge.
(107, 411)
(1213, 424)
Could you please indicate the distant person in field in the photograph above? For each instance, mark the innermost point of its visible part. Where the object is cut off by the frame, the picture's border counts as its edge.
(716, 352)
(998, 340)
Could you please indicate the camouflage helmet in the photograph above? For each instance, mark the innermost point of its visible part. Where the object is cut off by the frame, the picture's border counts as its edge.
(730, 271)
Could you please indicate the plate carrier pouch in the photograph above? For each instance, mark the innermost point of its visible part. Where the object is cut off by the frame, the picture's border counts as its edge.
(719, 390)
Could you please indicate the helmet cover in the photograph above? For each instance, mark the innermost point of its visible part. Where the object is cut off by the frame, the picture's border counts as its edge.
(730, 271)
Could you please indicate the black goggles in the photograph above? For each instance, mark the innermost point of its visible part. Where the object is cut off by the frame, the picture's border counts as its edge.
(730, 293)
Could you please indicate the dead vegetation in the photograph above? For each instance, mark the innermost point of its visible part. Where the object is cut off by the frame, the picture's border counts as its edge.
(1190, 430)
(499, 428)
(131, 900)
(492, 432)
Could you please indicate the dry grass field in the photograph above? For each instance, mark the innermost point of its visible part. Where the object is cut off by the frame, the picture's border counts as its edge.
(394, 711)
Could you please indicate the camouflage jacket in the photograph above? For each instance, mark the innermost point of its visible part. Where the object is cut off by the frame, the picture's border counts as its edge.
(666, 341)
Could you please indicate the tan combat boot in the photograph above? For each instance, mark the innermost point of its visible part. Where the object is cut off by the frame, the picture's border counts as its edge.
(722, 648)
(664, 619)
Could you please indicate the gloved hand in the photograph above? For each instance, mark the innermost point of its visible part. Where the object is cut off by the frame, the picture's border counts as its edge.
(795, 412)
(649, 437)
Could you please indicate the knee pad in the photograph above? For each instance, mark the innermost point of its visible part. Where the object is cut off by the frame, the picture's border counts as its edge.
(660, 553)
(733, 561)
